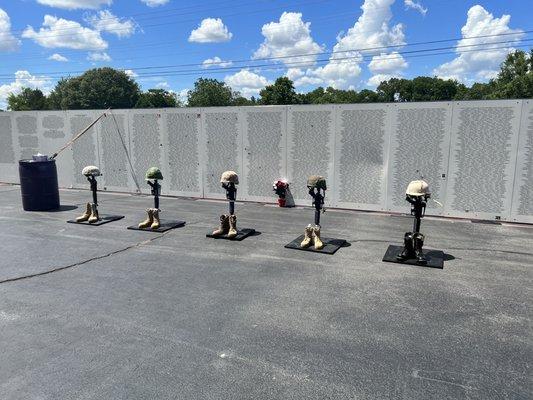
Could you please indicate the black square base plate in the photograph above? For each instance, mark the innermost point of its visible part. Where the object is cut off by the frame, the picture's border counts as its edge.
(104, 219)
(163, 226)
(435, 257)
(241, 234)
(330, 245)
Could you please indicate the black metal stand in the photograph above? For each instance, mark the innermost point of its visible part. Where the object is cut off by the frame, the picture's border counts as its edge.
(331, 245)
(164, 225)
(104, 218)
(231, 195)
(407, 254)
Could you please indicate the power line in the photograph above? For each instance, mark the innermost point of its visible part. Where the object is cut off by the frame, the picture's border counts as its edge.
(320, 62)
(307, 55)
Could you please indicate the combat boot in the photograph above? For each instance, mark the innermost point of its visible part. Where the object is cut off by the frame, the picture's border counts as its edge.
(232, 226)
(308, 237)
(149, 220)
(316, 238)
(94, 214)
(408, 247)
(156, 223)
(224, 226)
(418, 243)
(85, 216)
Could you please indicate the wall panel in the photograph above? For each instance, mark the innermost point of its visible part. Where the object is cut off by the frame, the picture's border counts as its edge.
(482, 159)
(84, 151)
(361, 150)
(522, 206)
(419, 147)
(8, 148)
(222, 145)
(265, 152)
(181, 143)
(310, 149)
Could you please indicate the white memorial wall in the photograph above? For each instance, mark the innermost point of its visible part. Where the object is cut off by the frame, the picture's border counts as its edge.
(477, 156)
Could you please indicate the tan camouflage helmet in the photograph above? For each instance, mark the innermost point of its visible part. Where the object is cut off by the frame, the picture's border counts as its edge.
(316, 181)
(154, 173)
(91, 170)
(417, 188)
(229, 177)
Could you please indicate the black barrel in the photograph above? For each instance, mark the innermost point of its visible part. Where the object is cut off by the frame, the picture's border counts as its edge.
(38, 185)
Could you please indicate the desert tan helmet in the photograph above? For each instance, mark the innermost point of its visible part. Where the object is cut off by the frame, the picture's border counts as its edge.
(316, 181)
(91, 170)
(229, 177)
(417, 188)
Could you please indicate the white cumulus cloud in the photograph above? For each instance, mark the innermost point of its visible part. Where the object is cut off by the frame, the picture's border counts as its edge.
(58, 57)
(416, 6)
(216, 62)
(75, 4)
(98, 56)
(155, 3)
(106, 21)
(8, 42)
(23, 79)
(246, 82)
(291, 36)
(386, 66)
(371, 31)
(62, 33)
(131, 73)
(479, 65)
(211, 30)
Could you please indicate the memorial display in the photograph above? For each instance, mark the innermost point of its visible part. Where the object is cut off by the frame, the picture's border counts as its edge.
(417, 194)
(228, 222)
(91, 216)
(311, 239)
(152, 222)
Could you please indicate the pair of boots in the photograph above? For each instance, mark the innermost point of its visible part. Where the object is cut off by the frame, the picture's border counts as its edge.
(152, 221)
(413, 243)
(90, 214)
(312, 236)
(228, 226)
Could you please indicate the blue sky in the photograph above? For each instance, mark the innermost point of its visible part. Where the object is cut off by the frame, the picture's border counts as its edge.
(340, 43)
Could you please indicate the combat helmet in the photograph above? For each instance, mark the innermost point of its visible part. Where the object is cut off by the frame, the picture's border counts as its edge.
(91, 170)
(316, 181)
(417, 189)
(229, 177)
(154, 173)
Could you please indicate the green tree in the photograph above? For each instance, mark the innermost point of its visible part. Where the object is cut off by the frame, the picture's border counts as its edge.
(157, 98)
(243, 101)
(515, 79)
(210, 93)
(281, 92)
(95, 89)
(330, 96)
(27, 99)
(422, 88)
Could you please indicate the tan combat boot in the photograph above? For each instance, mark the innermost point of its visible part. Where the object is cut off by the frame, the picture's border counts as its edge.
(149, 220)
(232, 226)
(224, 226)
(308, 237)
(156, 224)
(85, 216)
(316, 238)
(94, 214)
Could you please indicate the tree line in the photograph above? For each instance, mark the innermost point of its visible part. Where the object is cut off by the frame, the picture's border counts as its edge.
(101, 88)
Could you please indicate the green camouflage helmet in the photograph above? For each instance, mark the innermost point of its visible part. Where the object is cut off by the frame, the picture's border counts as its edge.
(154, 173)
(316, 181)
